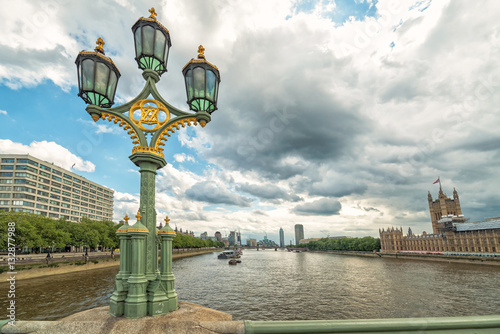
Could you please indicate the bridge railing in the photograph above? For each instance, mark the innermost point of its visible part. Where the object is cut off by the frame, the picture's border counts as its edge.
(471, 324)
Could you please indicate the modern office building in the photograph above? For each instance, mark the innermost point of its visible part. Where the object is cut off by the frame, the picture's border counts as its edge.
(218, 235)
(28, 184)
(252, 242)
(282, 237)
(299, 233)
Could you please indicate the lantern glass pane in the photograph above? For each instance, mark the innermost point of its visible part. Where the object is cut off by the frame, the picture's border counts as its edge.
(199, 82)
(211, 85)
(148, 34)
(189, 84)
(88, 74)
(101, 78)
(112, 85)
(160, 42)
(138, 41)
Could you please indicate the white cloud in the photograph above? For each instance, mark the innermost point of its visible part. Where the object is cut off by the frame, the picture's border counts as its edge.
(48, 151)
(3, 112)
(181, 157)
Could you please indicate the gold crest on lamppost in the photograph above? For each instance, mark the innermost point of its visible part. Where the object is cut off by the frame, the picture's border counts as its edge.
(149, 115)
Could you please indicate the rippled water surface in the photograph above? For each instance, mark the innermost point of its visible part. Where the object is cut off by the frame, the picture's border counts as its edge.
(270, 285)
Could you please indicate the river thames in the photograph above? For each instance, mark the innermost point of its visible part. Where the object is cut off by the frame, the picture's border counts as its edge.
(280, 285)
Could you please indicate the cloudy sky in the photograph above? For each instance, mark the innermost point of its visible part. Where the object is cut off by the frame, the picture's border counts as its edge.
(338, 115)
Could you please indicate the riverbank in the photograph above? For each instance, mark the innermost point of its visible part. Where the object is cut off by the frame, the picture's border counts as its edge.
(420, 257)
(58, 267)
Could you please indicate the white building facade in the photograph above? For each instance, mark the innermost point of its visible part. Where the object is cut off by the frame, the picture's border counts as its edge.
(28, 184)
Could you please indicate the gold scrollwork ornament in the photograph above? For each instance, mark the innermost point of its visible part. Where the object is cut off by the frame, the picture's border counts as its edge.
(150, 115)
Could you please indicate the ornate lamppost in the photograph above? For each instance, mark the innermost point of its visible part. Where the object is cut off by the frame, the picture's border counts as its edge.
(141, 288)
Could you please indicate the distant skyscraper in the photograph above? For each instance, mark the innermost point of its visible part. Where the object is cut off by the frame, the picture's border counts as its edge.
(299, 233)
(282, 237)
(218, 235)
(232, 238)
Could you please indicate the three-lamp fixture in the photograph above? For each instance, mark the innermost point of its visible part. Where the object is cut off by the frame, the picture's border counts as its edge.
(98, 75)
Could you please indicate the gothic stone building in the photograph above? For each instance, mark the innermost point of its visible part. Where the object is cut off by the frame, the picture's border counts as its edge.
(451, 231)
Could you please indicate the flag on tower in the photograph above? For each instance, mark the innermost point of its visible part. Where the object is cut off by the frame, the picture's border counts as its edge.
(436, 181)
(75, 164)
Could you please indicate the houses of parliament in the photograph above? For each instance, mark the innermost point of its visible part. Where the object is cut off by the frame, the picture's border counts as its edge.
(451, 231)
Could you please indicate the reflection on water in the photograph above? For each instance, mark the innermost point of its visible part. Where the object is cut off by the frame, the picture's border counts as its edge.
(271, 285)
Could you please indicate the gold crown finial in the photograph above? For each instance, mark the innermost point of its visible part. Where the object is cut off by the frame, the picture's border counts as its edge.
(138, 216)
(100, 43)
(166, 220)
(126, 218)
(201, 52)
(153, 13)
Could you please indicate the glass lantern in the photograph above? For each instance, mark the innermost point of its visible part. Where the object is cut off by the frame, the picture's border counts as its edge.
(202, 83)
(97, 77)
(152, 43)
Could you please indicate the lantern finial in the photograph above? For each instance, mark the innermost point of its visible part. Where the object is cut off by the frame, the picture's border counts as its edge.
(166, 220)
(153, 13)
(201, 52)
(100, 43)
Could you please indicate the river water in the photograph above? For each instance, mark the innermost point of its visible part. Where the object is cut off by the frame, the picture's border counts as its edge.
(279, 285)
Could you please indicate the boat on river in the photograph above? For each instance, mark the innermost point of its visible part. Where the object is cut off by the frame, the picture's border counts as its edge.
(229, 254)
(233, 262)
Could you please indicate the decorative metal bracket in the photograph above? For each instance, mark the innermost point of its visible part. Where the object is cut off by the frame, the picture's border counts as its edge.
(150, 119)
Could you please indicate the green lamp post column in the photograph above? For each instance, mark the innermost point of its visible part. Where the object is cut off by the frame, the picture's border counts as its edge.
(166, 235)
(117, 300)
(149, 120)
(136, 301)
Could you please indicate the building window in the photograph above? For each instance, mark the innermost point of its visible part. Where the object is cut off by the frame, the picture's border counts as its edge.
(41, 179)
(44, 173)
(45, 167)
(42, 186)
(53, 215)
(31, 162)
(57, 178)
(5, 181)
(4, 202)
(18, 195)
(41, 199)
(43, 213)
(22, 161)
(56, 172)
(52, 208)
(6, 174)
(8, 160)
(6, 188)
(54, 202)
(41, 206)
(43, 193)
(76, 180)
(7, 167)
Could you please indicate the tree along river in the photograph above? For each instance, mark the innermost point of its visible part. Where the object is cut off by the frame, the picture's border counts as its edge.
(280, 285)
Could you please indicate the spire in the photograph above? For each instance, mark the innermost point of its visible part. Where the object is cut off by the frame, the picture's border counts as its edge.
(455, 193)
(429, 196)
(441, 193)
